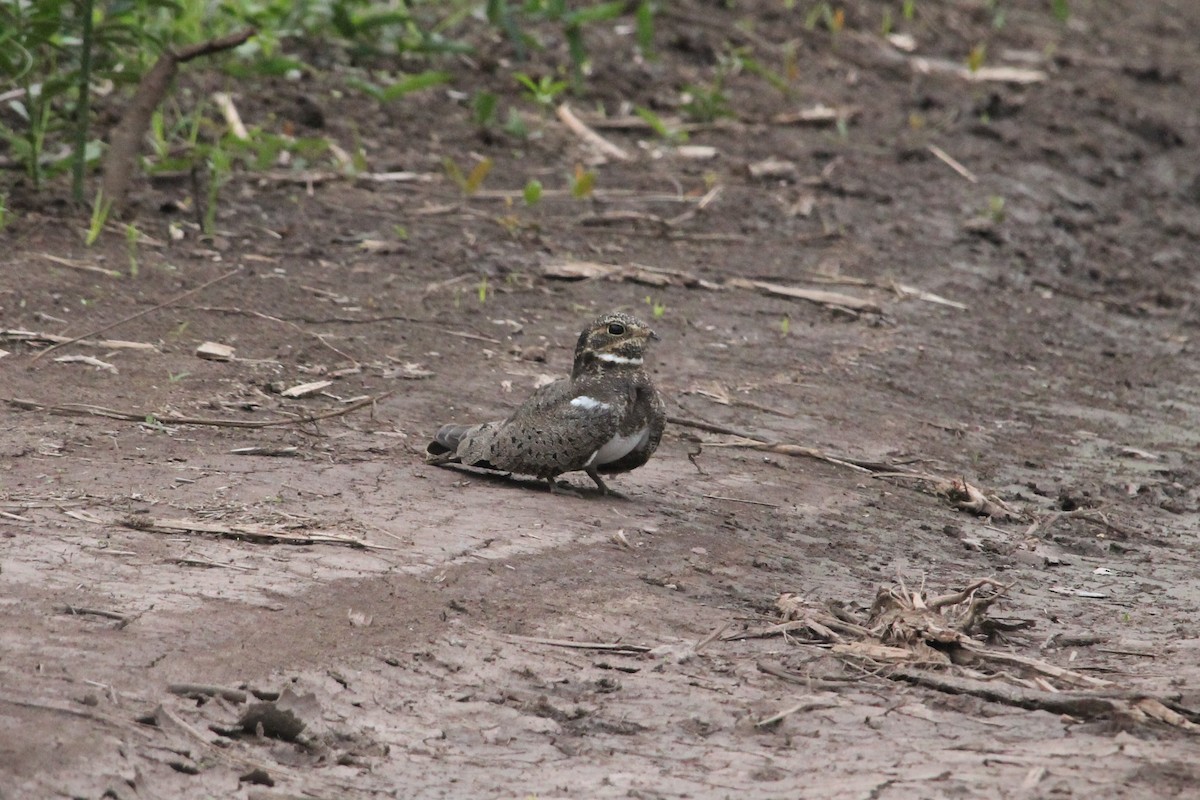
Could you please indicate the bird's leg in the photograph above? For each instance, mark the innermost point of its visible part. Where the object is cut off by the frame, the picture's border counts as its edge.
(595, 475)
(557, 488)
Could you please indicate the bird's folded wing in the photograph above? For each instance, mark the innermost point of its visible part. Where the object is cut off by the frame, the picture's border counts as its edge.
(555, 431)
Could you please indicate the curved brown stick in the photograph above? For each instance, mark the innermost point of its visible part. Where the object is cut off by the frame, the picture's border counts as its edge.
(125, 142)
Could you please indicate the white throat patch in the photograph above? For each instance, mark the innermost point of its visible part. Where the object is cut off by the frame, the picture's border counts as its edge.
(615, 359)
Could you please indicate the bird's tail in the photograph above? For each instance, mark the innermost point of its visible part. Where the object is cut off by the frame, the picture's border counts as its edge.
(444, 447)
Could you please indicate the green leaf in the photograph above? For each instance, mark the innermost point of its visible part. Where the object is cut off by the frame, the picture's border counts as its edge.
(583, 184)
(266, 65)
(576, 49)
(478, 173)
(415, 83)
(645, 28)
(533, 192)
(653, 120)
(483, 109)
(454, 172)
(976, 57)
(343, 23)
(598, 13)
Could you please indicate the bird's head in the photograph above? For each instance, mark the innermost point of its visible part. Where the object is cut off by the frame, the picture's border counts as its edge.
(613, 342)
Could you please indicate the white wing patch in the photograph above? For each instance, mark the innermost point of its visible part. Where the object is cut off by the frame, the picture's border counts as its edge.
(590, 403)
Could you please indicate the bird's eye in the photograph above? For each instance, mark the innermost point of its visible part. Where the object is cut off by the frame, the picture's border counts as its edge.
(616, 328)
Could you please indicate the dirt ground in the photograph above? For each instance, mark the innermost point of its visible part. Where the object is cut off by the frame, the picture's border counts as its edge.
(1060, 375)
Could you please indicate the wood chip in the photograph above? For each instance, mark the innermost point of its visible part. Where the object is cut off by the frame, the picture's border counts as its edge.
(214, 351)
(998, 74)
(277, 452)
(306, 389)
(773, 168)
(820, 114)
(1017, 75)
(699, 152)
(381, 246)
(409, 371)
(232, 118)
(397, 177)
(1084, 593)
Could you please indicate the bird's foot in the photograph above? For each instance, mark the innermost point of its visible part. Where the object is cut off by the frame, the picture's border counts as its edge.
(563, 488)
(600, 484)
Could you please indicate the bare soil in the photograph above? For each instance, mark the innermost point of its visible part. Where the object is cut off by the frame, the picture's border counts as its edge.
(1065, 382)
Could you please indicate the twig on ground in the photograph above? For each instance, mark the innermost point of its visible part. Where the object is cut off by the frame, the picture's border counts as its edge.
(250, 533)
(712, 637)
(595, 140)
(962, 495)
(634, 273)
(901, 289)
(756, 442)
(739, 500)
(952, 162)
(232, 118)
(274, 452)
(719, 394)
(806, 703)
(703, 203)
(84, 409)
(953, 599)
(619, 217)
(966, 497)
(106, 344)
(779, 671)
(360, 321)
(1037, 665)
(63, 708)
(819, 296)
(1082, 705)
(193, 561)
(79, 265)
(611, 647)
(124, 619)
(205, 690)
(91, 361)
(139, 314)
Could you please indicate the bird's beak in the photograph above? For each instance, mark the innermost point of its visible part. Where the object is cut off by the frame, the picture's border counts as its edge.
(652, 336)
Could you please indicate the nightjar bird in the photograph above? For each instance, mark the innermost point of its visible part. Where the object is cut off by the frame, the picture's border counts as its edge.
(607, 417)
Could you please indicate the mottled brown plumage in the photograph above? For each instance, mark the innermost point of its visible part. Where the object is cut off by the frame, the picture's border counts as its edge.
(606, 418)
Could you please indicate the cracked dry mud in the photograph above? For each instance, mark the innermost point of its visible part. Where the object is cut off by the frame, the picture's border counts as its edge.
(419, 665)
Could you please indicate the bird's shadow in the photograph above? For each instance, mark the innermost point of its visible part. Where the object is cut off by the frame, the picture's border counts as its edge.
(512, 481)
